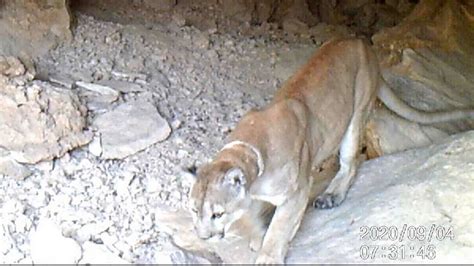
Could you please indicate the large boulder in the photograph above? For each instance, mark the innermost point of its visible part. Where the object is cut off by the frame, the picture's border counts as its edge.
(426, 191)
(38, 121)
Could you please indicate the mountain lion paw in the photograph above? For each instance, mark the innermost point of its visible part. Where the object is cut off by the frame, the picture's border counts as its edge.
(328, 201)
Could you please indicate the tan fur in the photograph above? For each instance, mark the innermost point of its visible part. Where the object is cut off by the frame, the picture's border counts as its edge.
(321, 110)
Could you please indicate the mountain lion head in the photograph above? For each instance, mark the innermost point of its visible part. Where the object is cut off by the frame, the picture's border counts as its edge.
(218, 198)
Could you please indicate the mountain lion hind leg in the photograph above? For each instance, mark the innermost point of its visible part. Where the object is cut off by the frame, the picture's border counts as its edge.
(336, 192)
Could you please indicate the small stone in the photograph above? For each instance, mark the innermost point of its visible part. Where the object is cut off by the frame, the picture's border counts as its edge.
(201, 41)
(122, 86)
(147, 222)
(62, 80)
(45, 166)
(95, 147)
(112, 95)
(92, 229)
(129, 76)
(175, 124)
(99, 254)
(12, 206)
(153, 185)
(162, 78)
(10, 167)
(179, 20)
(182, 154)
(49, 246)
(122, 188)
(171, 254)
(175, 195)
(129, 128)
(11, 66)
(22, 223)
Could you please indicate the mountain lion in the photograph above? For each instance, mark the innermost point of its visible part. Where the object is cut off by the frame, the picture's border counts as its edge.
(320, 110)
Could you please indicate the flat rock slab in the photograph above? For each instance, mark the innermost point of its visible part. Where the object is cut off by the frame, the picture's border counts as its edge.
(418, 188)
(129, 128)
(421, 190)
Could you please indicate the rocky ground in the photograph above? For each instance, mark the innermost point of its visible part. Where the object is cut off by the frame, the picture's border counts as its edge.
(152, 100)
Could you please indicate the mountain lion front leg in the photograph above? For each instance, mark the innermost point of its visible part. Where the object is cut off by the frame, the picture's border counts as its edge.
(282, 229)
(287, 218)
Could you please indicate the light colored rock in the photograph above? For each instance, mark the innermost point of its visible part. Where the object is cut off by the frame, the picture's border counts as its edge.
(45, 166)
(10, 167)
(99, 254)
(129, 76)
(389, 133)
(11, 66)
(171, 254)
(100, 89)
(92, 229)
(419, 188)
(39, 121)
(129, 128)
(95, 147)
(122, 86)
(98, 97)
(179, 20)
(62, 80)
(49, 246)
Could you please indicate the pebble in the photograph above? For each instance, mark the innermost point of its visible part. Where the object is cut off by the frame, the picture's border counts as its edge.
(49, 246)
(92, 229)
(99, 254)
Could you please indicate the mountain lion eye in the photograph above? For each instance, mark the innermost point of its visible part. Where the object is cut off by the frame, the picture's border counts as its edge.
(216, 215)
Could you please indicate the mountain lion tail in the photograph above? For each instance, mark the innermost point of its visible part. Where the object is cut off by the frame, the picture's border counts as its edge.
(402, 109)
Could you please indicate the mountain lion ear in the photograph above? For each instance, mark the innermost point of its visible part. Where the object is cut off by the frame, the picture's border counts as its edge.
(235, 176)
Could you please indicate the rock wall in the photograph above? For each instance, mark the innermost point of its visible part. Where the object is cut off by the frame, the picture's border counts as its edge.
(427, 61)
(30, 28)
(293, 16)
